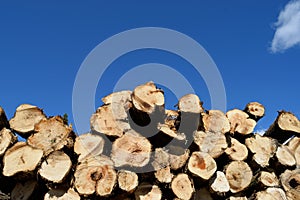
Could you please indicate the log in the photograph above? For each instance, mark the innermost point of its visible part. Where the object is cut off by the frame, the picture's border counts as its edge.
(146, 191)
(290, 181)
(7, 138)
(95, 174)
(112, 118)
(164, 175)
(294, 147)
(88, 145)
(271, 194)
(60, 194)
(268, 179)
(182, 186)
(255, 110)
(202, 165)
(127, 180)
(220, 185)
(237, 151)
(25, 118)
(190, 103)
(237, 198)
(3, 119)
(285, 157)
(240, 122)
(239, 176)
(263, 149)
(131, 149)
(215, 121)
(147, 98)
(23, 190)
(285, 126)
(21, 158)
(56, 167)
(212, 143)
(164, 128)
(51, 134)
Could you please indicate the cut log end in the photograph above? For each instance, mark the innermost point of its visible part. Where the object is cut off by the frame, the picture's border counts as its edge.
(240, 122)
(271, 194)
(146, 191)
(190, 103)
(220, 185)
(215, 121)
(127, 180)
(59, 194)
(237, 151)
(7, 138)
(255, 110)
(164, 175)
(290, 181)
(268, 179)
(182, 187)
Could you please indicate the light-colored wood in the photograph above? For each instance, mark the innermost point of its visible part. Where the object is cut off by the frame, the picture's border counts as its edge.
(190, 103)
(263, 149)
(112, 118)
(59, 194)
(95, 174)
(164, 175)
(88, 145)
(220, 184)
(237, 198)
(294, 147)
(21, 158)
(170, 132)
(182, 186)
(215, 121)
(131, 149)
(268, 179)
(285, 156)
(146, 191)
(178, 157)
(212, 143)
(290, 181)
(56, 167)
(255, 110)
(7, 138)
(202, 165)
(25, 118)
(237, 151)
(285, 126)
(3, 119)
(23, 191)
(239, 176)
(147, 97)
(271, 194)
(127, 180)
(51, 134)
(240, 122)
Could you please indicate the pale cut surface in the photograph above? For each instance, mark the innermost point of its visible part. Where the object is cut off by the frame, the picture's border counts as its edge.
(239, 176)
(285, 156)
(240, 122)
(212, 143)
(146, 97)
(131, 149)
(190, 103)
(237, 150)
(170, 132)
(127, 180)
(215, 121)
(56, 167)
(255, 109)
(290, 180)
(220, 184)
(146, 191)
(182, 187)
(88, 145)
(164, 175)
(25, 118)
(57, 194)
(271, 194)
(23, 191)
(50, 135)
(268, 179)
(21, 158)
(202, 164)
(263, 148)
(7, 138)
(289, 122)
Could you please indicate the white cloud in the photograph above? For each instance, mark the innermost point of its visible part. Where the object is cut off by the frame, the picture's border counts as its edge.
(287, 32)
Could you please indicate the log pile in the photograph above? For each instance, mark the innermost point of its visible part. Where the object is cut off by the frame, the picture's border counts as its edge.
(137, 149)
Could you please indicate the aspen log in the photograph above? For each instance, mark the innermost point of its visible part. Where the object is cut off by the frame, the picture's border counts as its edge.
(60, 194)
(215, 121)
(240, 122)
(255, 110)
(146, 191)
(127, 180)
(237, 151)
(183, 187)
(290, 181)
(7, 138)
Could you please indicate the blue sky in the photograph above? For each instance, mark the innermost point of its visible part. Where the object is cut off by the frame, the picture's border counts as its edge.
(256, 49)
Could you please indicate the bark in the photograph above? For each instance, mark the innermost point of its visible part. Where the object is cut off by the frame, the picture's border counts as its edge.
(285, 126)
(240, 122)
(3, 119)
(7, 138)
(182, 187)
(25, 119)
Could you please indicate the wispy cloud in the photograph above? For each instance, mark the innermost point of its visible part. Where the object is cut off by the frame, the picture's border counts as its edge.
(287, 32)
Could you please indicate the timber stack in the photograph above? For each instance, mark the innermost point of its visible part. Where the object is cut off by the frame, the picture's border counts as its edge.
(138, 149)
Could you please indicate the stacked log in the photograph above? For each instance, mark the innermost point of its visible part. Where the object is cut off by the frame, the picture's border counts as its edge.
(138, 149)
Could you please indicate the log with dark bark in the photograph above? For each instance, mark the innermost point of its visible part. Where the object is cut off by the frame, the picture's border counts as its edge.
(51, 134)
(7, 138)
(255, 110)
(25, 118)
(285, 126)
(290, 181)
(183, 187)
(21, 158)
(240, 122)
(3, 119)
(146, 191)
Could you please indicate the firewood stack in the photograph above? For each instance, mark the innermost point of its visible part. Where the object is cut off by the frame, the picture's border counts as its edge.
(137, 149)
